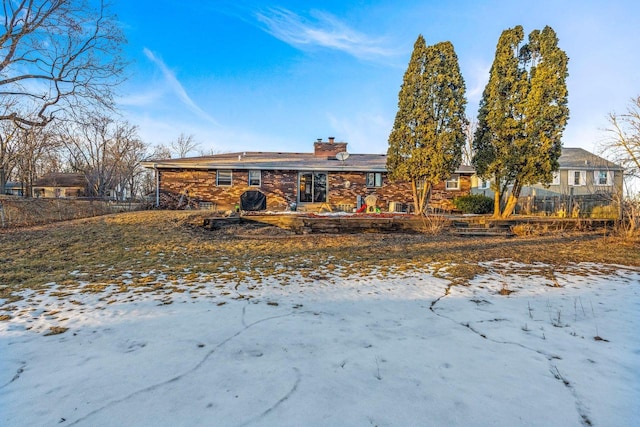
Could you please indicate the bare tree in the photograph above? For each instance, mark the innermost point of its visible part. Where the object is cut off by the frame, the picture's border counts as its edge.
(161, 151)
(57, 55)
(36, 155)
(183, 145)
(107, 152)
(8, 147)
(623, 143)
(467, 149)
(129, 173)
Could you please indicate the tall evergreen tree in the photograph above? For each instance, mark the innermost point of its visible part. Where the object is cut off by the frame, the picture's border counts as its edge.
(425, 144)
(522, 115)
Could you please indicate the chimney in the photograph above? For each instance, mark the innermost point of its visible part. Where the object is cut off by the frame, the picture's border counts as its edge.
(328, 149)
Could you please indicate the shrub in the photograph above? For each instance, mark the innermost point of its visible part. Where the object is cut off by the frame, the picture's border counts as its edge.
(474, 204)
(605, 212)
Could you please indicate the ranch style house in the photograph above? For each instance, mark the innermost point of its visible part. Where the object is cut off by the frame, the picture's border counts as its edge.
(328, 178)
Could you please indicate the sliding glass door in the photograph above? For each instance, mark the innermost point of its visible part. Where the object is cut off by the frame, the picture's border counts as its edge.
(312, 187)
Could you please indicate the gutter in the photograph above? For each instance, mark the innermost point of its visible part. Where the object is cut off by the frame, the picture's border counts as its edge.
(155, 168)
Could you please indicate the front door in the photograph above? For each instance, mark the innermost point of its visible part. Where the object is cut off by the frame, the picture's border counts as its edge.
(312, 187)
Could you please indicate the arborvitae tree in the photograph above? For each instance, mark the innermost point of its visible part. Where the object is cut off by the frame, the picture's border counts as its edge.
(522, 115)
(425, 144)
(499, 112)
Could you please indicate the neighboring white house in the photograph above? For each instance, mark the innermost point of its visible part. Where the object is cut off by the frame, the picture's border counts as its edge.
(584, 180)
(581, 173)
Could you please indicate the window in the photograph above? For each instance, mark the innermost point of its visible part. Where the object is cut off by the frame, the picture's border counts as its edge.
(453, 183)
(223, 178)
(484, 184)
(556, 178)
(255, 178)
(602, 178)
(374, 179)
(577, 178)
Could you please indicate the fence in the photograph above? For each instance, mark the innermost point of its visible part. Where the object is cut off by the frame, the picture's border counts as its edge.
(569, 205)
(24, 212)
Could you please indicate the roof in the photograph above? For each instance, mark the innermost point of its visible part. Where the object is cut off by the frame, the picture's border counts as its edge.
(578, 158)
(61, 180)
(281, 161)
(571, 158)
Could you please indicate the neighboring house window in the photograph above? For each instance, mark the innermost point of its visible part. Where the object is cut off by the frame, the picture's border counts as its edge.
(577, 178)
(602, 178)
(374, 179)
(255, 178)
(223, 178)
(453, 183)
(556, 178)
(484, 184)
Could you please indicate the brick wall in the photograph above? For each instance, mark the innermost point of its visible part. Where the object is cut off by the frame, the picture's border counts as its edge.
(280, 187)
(328, 149)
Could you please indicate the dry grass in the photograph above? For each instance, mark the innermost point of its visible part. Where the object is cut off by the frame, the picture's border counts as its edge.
(158, 250)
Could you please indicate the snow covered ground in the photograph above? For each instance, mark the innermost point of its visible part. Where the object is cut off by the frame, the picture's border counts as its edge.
(559, 349)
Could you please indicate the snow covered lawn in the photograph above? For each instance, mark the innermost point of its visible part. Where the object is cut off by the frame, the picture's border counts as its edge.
(559, 349)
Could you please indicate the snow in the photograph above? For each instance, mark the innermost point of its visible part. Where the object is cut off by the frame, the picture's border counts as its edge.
(403, 350)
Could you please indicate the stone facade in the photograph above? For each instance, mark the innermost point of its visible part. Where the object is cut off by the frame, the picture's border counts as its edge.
(280, 189)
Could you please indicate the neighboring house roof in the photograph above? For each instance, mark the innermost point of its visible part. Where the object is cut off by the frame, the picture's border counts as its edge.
(580, 159)
(282, 161)
(61, 180)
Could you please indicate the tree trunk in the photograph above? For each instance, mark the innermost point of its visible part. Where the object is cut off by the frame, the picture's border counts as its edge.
(426, 197)
(497, 196)
(496, 203)
(512, 201)
(421, 196)
(414, 190)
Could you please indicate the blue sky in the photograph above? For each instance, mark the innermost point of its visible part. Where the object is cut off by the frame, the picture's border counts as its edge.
(275, 76)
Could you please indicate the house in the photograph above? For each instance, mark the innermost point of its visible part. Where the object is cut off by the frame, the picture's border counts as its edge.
(583, 181)
(14, 188)
(329, 178)
(60, 185)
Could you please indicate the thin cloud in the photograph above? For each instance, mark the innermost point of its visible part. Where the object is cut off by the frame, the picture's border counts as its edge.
(140, 99)
(176, 87)
(476, 83)
(325, 31)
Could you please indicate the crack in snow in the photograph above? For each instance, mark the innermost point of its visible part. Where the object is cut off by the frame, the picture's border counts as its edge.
(190, 371)
(279, 402)
(580, 408)
(19, 372)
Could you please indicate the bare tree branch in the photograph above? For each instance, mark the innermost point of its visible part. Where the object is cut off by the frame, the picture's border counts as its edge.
(107, 152)
(623, 142)
(183, 145)
(55, 56)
